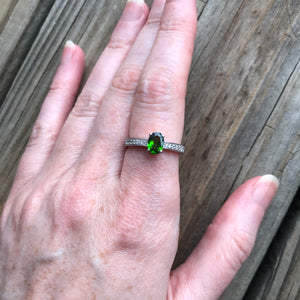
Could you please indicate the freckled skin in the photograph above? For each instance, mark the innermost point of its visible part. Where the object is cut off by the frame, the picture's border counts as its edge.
(88, 218)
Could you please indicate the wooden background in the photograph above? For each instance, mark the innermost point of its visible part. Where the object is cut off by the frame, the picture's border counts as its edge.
(242, 113)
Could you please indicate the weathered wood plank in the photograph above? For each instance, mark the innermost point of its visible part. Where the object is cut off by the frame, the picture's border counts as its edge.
(242, 115)
(20, 22)
(237, 78)
(243, 63)
(6, 8)
(273, 147)
(200, 7)
(278, 277)
(290, 289)
(23, 101)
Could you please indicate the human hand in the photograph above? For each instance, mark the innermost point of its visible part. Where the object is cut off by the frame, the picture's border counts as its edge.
(89, 219)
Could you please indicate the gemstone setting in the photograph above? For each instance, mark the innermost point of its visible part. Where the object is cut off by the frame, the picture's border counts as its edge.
(155, 143)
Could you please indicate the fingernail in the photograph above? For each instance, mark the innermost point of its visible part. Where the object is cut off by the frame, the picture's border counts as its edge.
(268, 178)
(133, 12)
(68, 51)
(265, 189)
(69, 44)
(140, 2)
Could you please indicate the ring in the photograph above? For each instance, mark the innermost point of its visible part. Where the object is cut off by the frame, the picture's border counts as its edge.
(155, 144)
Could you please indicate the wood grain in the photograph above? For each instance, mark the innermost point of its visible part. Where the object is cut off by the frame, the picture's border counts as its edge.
(20, 22)
(243, 117)
(278, 275)
(243, 100)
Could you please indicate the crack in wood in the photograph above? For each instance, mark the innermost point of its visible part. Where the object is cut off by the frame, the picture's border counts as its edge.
(273, 108)
(289, 18)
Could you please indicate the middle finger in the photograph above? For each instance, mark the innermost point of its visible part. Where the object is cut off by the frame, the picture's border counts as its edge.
(105, 143)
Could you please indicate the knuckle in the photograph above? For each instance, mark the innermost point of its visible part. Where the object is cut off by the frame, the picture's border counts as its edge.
(125, 81)
(87, 105)
(156, 88)
(5, 213)
(236, 246)
(41, 133)
(129, 231)
(179, 286)
(118, 43)
(153, 22)
(30, 208)
(178, 24)
(16, 218)
(60, 87)
(141, 226)
(242, 243)
(76, 205)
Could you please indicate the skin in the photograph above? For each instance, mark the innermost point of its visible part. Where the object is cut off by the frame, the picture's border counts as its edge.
(86, 218)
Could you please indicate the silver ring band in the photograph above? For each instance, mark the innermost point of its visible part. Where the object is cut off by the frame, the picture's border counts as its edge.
(144, 143)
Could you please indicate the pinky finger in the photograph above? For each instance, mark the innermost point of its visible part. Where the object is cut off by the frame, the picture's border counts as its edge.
(226, 244)
(53, 114)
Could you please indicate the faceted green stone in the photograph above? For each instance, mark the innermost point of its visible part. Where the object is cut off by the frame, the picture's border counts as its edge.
(155, 143)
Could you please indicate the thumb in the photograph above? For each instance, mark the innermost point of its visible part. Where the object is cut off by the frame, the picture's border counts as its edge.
(226, 244)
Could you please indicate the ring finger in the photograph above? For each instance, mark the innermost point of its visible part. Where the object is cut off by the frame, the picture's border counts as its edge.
(160, 100)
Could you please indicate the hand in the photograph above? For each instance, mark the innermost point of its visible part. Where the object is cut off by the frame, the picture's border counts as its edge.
(88, 218)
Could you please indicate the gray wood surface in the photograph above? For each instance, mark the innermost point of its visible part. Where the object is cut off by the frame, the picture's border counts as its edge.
(278, 275)
(20, 22)
(243, 100)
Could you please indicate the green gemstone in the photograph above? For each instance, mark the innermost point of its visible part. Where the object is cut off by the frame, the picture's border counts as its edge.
(155, 143)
